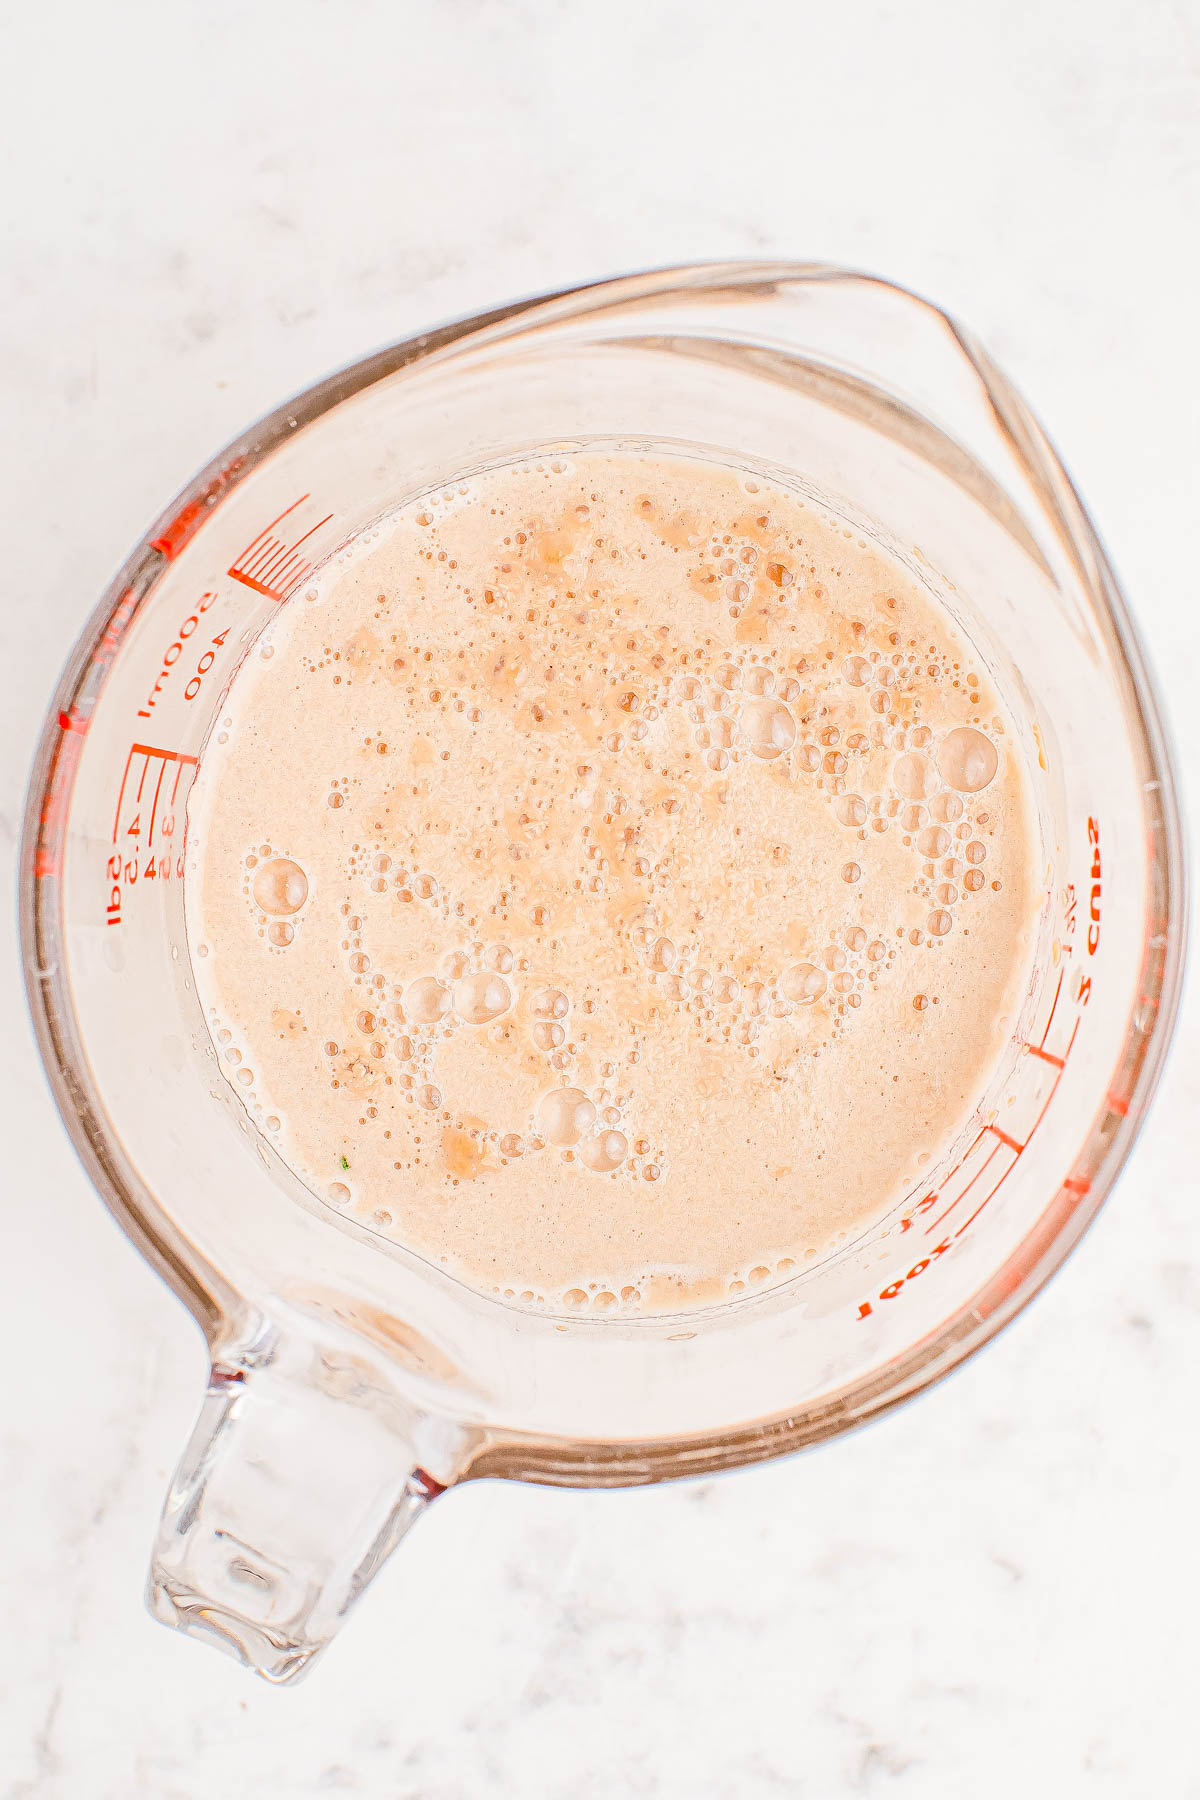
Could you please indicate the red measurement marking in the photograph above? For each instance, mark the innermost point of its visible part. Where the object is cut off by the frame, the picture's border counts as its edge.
(1053, 1007)
(979, 1171)
(187, 522)
(221, 1377)
(999, 1184)
(52, 820)
(425, 1484)
(151, 755)
(1002, 1138)
(1075, 1186)
(270, 565)
(114, 631)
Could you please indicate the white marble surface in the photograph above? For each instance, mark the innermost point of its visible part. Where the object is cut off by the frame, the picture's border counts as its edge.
(994, 1590)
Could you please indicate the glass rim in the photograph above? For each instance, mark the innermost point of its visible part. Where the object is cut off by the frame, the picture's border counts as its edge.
(1104, 1146)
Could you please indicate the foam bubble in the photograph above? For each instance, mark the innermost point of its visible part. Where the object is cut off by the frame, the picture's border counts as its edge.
(802, 983)
(767, 728)
(427, 1000)
(914, 776)
(934, 841)
(564, 1115)
(605, 1152)
(967, 759)
(478, 999)
(280, 886)
(945, 807)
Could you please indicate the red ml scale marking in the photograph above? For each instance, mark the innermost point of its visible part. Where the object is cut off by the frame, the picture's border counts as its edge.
(163, 758)
(994, 1150)
(271, 566)
(134, 840)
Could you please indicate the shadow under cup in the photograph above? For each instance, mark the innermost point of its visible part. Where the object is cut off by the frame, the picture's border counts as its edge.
(351, 1380)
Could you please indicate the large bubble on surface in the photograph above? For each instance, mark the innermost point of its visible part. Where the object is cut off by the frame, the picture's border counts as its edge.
(280, 886)
(967, 759)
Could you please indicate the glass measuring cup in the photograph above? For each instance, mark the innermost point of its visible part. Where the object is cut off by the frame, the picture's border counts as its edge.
(352, 1382)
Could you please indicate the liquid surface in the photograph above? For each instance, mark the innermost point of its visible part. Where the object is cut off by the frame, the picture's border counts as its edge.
(612, 880)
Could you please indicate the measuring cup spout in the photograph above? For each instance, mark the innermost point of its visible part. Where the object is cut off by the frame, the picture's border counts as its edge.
(300, 1478)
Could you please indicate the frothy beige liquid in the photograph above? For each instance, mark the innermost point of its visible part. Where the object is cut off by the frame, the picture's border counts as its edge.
(613, 880)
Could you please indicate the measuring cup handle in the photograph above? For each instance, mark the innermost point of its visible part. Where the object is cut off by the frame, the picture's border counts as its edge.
(299, 1480)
